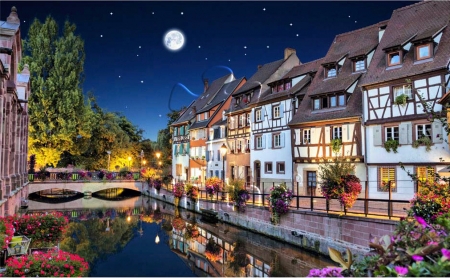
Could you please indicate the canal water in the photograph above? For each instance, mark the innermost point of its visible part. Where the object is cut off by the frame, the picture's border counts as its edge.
(140, 236)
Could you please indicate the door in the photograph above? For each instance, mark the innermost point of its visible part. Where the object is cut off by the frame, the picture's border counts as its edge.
(258, 174)
(311, 182)
(247, 175)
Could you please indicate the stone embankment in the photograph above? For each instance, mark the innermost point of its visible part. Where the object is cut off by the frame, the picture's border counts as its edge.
(314, 231)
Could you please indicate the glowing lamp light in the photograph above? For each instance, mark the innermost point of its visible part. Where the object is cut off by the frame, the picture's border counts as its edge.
(128, 218)
(157, 239)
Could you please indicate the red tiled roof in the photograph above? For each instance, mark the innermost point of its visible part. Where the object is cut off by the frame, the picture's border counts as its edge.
(312, 66)
(414, 22)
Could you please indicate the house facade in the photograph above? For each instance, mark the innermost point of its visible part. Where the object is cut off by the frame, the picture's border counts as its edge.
(242, 163)
(410, 68)
(328, 125)
(14, 94)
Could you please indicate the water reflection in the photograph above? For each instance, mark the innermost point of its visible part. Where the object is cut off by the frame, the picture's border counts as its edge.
(150, 238)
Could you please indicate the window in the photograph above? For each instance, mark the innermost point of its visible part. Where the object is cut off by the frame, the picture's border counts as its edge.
(268, 167)
(247, 121)
(359, 65)
(222, 132)
(337, 132)
(232, 146)
(258, 142)
(276, 112)
(316, 104)
(386, 178)
(277, 140)
(175, 131)
(425, 174)
(242, 120)
(280, 88)
(199, 117)
(394, 58)
(331, 73)
(423, 51)
(391, 133)
(280, 167)
(206, 115)
(288, 85)
(306, 136)
(239, 146)
(341, 100)
(402, 90)
(258, 117)
(423, 130)
(218, 155)
(333, 101)
(247, 146)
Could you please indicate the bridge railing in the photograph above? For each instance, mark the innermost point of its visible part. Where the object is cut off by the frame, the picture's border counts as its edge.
(84, 176)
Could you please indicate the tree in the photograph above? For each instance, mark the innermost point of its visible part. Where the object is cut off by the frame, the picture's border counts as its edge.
(57, 108)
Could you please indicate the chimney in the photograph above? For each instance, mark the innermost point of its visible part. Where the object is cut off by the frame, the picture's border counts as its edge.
(13, 18)
(288, 52)
(259, 66)
(205, 83)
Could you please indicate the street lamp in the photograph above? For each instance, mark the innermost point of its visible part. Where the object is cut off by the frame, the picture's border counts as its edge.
(223, 151)
(109, 158)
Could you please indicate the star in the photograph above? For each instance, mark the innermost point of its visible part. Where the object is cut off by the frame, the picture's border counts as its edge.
(142, 81)
(139, 46)
(101, 36)
(264, 9)
(297, 35)
(160, 115)
(206, 58)
(119, 76)
(348, 16)
(267, 46)
(24, 21)
(245, 47)
(137, 55)
(153, 12)
(111, 13)
(182, 13)
(229, 60)
(290, 24)
(245, 54)
(199, 46)
(356, 21)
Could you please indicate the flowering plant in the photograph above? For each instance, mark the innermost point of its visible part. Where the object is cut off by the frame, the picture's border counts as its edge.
(280, 197)
(212, 185)
(213, 252)
(238, 194)
(43, 229)
(178, 189)
(346, 189)
(157, 184)
(192, 192)
(50, 264)
(191, 231)
(178, 223)
(6, 232)
(326, 272)
(432, 200)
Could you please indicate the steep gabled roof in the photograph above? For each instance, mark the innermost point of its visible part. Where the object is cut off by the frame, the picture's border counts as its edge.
(344, 46)
(412, 23)
(310, 67)
(202, 100)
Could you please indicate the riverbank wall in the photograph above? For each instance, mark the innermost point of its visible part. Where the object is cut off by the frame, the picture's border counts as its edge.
(314, 231)
(11, 202)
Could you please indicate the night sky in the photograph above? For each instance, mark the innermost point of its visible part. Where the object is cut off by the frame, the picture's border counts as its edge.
(130, 70)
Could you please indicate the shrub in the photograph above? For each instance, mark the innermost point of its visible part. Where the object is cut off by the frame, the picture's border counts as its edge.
(432, 200)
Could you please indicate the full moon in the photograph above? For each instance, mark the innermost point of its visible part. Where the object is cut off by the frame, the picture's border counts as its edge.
(174, 40)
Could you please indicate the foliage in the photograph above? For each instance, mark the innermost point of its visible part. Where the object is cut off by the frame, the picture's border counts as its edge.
(401, 99)
(178, 189)
(57, 108)
(32, 164)
(156, 183)
(238, 258)
(336, 256)
(336, 145)
(238, 194)
(178, 223)
(191, 231)
(213, 251)
(432, 200)
(213, 185)
(6, 232)
(326, 272)
(54, 263)
(391, 144)
(43, 229)
(280, 198)
(192, 192)
(423, 141)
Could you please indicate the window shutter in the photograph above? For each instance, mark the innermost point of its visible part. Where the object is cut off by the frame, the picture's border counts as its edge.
(252, 143)
(377, 140)
(263, 141)
(282, 140)
(436, 131)
(252, 116)
(218, 155)
(187, 148)
(175, 150)
(282, 109)
(405, 133)
(297, 136)
(180, 150)
(344, 131)
(327, 135)
(269, 112)
(269, 141)
(207, 156)
(182, 130)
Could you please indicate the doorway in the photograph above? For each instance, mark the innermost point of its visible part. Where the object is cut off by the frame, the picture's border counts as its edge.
(258, 174)
(311, 182)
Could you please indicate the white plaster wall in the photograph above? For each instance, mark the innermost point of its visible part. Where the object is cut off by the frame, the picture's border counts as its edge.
(215, 164)
(404, 184)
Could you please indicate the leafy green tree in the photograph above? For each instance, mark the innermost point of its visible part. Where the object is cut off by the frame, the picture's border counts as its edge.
(58, 111)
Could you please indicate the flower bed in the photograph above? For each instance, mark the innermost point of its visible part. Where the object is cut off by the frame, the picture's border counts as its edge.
(53, 263)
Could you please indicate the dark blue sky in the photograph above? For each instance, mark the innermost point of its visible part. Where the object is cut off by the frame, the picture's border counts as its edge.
(235, 34)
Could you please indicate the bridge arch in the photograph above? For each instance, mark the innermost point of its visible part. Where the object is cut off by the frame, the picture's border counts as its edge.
(85, 186)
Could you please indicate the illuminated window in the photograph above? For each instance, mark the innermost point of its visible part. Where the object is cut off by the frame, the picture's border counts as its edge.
(423, 130)
(402, 90)
(425, 174)
(386, 178)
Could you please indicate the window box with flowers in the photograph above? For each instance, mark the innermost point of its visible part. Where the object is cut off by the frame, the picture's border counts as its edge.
(178, 224)
(247, 150)
(280, 198)
(423, 141)
(391, 144)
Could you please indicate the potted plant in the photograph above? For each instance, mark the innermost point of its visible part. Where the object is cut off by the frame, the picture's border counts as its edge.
(178, 191)
(336, 144)
(423, 141)
(212, 186)
(280, 198)
(401, 99)
(391, 144)
(192, 192)
(238, 194)
(203, 157)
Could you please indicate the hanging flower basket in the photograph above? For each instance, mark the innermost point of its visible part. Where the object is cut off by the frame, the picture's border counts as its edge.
(346, 190)
(280, 198)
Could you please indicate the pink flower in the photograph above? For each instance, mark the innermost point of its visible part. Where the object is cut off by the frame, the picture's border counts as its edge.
(421, 221)
(401, 270)
(445, 254)
(417, 258)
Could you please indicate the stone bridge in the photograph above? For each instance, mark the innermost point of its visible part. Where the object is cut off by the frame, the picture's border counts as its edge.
(89, 186)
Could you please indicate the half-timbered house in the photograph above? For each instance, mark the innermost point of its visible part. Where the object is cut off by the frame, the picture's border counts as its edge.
(409, 68)
(270, 131)
(328, 123)
(245, 100)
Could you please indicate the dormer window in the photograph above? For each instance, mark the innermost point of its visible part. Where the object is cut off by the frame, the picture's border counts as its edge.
(280, 87)
(423, 51)
(199, 117)
(394, 58)
(206, 115)
(288, 85)
(359, 65)
(331, 73)
(330, 101)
